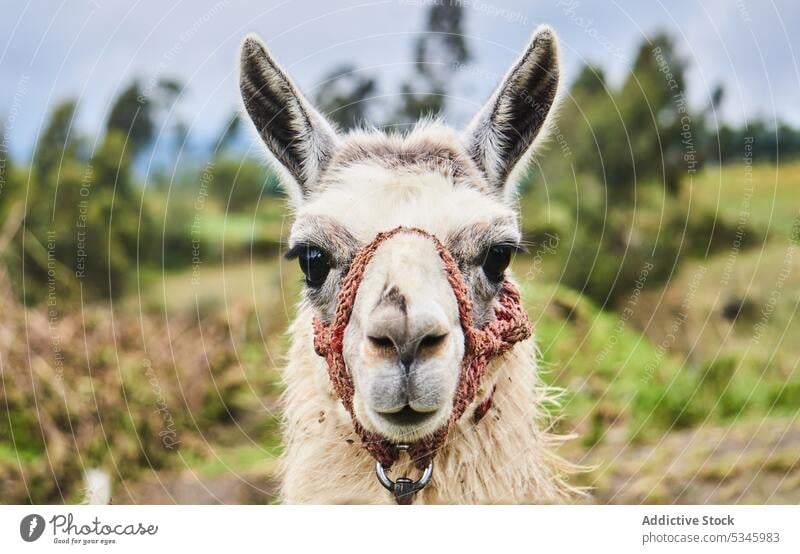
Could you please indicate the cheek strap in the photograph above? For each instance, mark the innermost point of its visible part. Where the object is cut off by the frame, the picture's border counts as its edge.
(510, 325)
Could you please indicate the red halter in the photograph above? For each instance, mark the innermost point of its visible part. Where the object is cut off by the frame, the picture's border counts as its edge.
(511, 325)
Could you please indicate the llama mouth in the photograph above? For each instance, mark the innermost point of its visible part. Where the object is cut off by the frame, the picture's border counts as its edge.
(407, 417)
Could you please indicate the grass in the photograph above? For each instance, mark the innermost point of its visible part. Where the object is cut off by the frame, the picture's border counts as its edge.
(249, 458)
(656, 368)
(768, 198)
(9, 455)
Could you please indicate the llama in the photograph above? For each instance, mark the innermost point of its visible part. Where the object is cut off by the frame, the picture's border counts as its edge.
(404, 343)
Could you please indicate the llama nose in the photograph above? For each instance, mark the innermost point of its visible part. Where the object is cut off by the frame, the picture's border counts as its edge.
(405, 336)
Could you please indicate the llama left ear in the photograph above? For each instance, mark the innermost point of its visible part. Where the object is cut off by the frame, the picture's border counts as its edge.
(300, 138)
(501, 134)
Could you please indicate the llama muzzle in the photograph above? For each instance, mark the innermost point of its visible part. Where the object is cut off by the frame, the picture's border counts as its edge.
(509, 326)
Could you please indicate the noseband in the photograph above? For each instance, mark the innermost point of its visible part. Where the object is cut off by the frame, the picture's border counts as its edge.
(510, 325)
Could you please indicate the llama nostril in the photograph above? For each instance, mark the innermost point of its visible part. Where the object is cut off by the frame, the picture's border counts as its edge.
(381, 342)
(410, 350)
(401, 339)
(430, 341)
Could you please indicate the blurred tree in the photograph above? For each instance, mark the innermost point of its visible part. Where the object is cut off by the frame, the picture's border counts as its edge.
(590, 83)
(135, 110)
(37, 255)
(663, 134)
(167, 91)
(443, 42)
(56, 142)
(84, 223)
(717, 97)
(239, 182)
(344, 96)
(440, 49)
(596, 130)
(643, 132)
(229, 133)
(12, 204)
(111, 220)
(132, 115)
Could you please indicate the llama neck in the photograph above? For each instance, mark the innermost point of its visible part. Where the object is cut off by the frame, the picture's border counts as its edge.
(505, 458)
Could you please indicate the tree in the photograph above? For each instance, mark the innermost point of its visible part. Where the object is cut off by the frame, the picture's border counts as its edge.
(229, 133)
(135, 110)
(345, 95)
(438, 51)
(56, 143)
(662, 131)
(642, 133)
(132, 116)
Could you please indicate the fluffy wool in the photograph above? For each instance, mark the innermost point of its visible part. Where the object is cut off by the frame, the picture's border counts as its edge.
(507, 458)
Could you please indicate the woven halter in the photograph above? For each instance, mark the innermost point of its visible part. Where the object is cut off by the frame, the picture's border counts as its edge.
(510, 325)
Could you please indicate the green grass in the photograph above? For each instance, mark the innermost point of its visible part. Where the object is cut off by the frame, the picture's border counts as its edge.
(9, 455)
(768, 198)
(600, 361)
(247, 458)
(706, 371)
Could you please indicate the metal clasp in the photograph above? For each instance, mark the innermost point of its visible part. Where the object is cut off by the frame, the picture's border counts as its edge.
(403, 488)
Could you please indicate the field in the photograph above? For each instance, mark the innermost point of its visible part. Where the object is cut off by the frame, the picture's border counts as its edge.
(685, 390)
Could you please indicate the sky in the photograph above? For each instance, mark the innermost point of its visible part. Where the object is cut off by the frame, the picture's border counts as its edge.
(91, 49)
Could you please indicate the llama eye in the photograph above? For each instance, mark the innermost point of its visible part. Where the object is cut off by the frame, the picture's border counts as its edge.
(315, 265)
(495, 262)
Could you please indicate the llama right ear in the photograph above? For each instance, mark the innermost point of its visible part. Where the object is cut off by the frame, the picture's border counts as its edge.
(297, 134)
(501, 135)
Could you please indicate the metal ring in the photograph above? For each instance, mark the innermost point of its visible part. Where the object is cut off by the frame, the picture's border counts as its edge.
(389, 484)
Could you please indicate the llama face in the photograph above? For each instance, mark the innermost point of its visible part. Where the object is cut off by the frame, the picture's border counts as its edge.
(404, 343)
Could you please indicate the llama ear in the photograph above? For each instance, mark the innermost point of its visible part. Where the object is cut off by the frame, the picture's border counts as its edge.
(297, 134)
(501, 134)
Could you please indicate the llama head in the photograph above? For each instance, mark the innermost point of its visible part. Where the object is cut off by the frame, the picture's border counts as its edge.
(404, 344)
